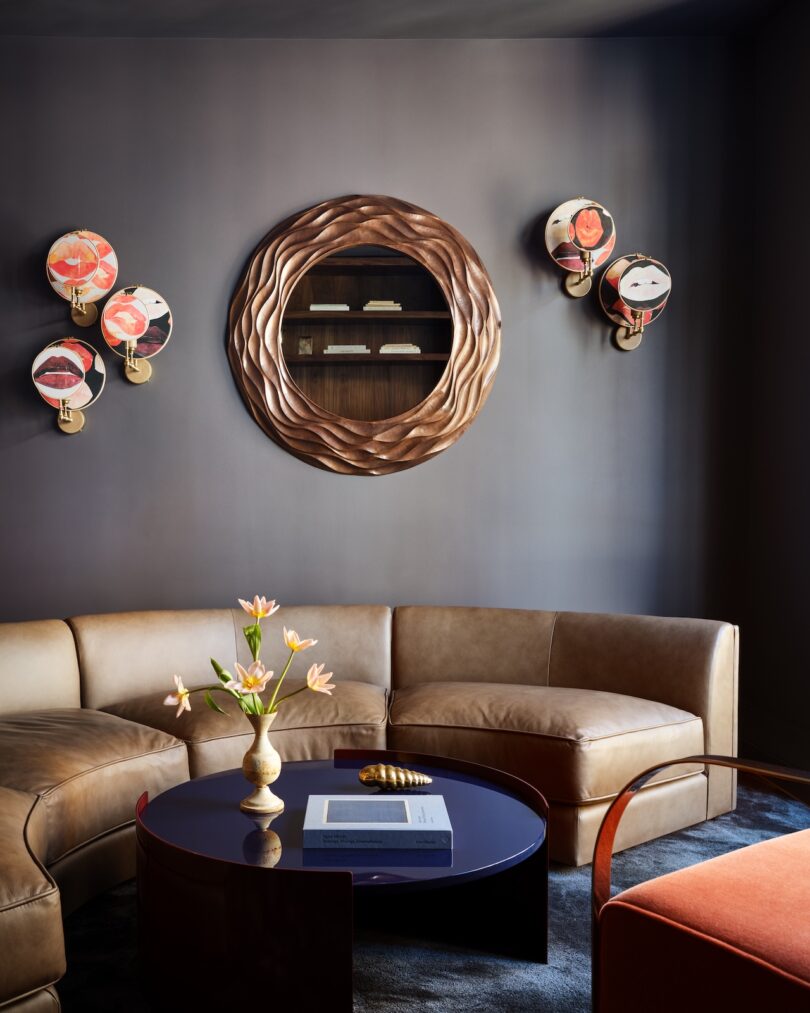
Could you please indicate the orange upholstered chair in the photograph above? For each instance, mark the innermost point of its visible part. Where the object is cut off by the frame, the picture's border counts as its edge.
(731, 933)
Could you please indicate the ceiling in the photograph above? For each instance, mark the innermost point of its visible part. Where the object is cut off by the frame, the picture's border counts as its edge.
(380, 19)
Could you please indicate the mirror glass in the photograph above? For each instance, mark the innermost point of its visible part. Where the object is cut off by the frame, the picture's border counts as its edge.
(366, 333)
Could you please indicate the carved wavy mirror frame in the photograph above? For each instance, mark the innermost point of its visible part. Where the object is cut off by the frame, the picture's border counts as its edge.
(318, 436)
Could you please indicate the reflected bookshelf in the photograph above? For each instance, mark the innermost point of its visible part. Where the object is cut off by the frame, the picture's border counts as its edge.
(367, 334)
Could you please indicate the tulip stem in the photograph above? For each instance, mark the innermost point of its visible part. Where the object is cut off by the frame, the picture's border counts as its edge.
(295, 692)
(217, 688)
(272, 704)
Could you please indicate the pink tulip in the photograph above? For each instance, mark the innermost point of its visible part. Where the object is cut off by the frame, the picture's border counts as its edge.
(319, 683)
(292, 641)
(179, 699)
(252, 679)
(259, 608)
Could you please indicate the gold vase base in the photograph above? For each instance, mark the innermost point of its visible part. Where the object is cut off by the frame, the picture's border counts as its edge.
(577, 285)
(262, 801)
(140, 374)
(626, 339)
(84, 317)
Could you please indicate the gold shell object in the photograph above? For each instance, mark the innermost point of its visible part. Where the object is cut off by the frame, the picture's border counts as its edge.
(386, 776)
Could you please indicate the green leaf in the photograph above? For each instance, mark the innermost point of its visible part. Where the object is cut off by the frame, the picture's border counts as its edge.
(222, 674)
(253, 635)
(212, 702)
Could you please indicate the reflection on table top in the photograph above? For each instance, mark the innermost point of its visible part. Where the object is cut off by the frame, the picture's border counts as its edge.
(492, 829)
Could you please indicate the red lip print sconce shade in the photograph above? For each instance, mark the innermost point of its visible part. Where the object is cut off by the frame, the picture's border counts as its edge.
(137, 324)
(580, 235)
(70, 375)
(634, 291)
(82, 268)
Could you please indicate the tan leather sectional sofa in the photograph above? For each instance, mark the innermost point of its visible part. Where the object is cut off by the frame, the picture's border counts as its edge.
(575, 703)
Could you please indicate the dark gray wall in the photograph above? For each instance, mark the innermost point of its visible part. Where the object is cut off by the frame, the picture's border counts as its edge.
(777, 541)
(589, 480)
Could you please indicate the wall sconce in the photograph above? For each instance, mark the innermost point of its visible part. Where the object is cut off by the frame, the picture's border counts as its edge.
(70, 375)
(579, 237)
(82, 268)
(136, 324)
(633, 292)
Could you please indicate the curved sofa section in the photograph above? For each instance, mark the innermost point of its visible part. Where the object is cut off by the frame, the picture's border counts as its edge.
(567, 701)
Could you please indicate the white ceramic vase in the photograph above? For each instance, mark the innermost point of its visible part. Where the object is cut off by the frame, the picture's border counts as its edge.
(261, 766)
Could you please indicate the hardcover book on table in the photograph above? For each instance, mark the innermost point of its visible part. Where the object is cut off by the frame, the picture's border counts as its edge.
(377, 821)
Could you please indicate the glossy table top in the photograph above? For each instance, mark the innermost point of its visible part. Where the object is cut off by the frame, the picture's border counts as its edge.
(492, 829)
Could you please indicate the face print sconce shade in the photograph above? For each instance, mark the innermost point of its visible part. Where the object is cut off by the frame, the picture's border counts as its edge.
(136, 324)
(70, 375)
(633, 292)
(580, 235)
(82, 268)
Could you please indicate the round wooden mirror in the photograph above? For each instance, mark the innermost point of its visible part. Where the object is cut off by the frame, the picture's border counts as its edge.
(364, 335)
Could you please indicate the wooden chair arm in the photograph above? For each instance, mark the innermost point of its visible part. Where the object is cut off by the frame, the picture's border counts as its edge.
(603, 850)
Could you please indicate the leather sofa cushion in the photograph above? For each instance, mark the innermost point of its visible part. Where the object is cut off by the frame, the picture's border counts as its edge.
(738, 922)
(32, 950)
(577, 745)
(308, 727)
(42, 650)
(88, 770)
(44, 1001)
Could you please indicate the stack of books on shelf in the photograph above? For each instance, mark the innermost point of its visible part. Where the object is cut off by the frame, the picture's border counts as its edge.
(329, 307)
(346, 350)
(404, 348)
(385, 305)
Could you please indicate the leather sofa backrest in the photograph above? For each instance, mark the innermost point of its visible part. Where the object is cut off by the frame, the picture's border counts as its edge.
(38, 666)
(680, 662)
(458, 644)
(354, 641)
(130, 654)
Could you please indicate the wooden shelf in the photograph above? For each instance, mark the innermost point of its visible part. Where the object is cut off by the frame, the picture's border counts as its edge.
(373, 385)
(364, 358)
(367, 316)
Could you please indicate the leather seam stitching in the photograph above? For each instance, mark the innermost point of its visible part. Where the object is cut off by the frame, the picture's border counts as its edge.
(551, 647)
(582, 803)
(91, 840)
(30, 900)
(275, 731)
(550, 735)
(53, 888)
(110, 763)
(47, 987)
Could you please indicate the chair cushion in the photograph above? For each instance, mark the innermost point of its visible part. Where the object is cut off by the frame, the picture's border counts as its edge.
(31, 940)
(88, 768)
(739, 923)
(310, 726)
(577, 745)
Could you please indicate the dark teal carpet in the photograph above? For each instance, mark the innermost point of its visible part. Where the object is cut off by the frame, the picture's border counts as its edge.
(395, 975)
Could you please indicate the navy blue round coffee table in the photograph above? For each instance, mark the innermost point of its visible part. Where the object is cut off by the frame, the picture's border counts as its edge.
(224, 886)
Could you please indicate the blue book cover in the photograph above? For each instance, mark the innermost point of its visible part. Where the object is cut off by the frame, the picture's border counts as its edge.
(377, 821)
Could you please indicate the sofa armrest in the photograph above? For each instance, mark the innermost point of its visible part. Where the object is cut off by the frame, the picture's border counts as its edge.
(32, 946)
(691, 664)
